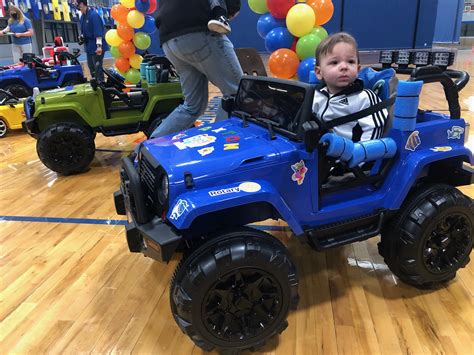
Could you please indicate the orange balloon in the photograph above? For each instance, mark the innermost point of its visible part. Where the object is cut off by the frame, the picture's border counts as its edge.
(126, 49)
(125, 32)
(119, 13)
(323, 9)
(283, 63)
(122, 64)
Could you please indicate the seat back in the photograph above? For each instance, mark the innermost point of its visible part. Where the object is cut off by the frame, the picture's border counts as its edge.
(384, 84)
(250, 61)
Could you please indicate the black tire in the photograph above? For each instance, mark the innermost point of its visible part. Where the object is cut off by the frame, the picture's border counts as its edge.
(431, 237)
(66, 148)
(154, 123)
(3, 128)
(210, 285)
(18, 90)
(72, 82)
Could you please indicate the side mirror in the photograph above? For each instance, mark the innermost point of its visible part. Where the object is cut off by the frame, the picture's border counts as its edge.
(94, 84)
(311, 135)
(227, 104)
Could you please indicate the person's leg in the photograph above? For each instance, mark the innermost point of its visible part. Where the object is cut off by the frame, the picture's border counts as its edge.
(98, 64)
(16, 53)
(90, 64)
(25, 48)
(194, 84)
(221, 67)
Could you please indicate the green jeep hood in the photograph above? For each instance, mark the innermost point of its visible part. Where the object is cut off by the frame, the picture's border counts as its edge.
(66, 93)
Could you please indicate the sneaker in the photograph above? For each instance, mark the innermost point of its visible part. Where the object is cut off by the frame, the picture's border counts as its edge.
(219, 25)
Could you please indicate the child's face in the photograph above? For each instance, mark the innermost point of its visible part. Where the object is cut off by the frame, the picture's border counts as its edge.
(338, 68)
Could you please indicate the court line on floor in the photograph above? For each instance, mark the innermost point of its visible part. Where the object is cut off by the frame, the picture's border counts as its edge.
(110, 222)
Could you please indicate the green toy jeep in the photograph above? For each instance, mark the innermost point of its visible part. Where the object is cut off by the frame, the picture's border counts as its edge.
(66, 120)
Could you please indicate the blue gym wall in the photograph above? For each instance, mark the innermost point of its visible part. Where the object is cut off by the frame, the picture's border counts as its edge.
(376, 24)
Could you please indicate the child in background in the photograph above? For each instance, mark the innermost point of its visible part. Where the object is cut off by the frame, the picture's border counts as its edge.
(341, 93)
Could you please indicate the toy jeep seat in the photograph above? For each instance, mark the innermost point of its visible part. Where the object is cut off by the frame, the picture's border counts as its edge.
(250, 61)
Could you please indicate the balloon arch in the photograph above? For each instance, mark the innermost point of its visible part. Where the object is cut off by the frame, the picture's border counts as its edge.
(132, 35)
(292, 32)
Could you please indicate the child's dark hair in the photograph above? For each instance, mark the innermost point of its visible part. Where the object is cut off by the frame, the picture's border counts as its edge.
(327, 45)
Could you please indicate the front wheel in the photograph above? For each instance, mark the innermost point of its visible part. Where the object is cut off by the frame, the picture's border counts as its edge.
(3, 128)
(66, 148)
(18, 90)
(234, 291)
(431, 238)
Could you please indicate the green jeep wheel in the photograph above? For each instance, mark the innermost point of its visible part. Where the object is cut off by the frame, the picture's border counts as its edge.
(66, 148)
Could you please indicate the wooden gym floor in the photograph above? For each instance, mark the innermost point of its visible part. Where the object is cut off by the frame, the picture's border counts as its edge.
(70, 285)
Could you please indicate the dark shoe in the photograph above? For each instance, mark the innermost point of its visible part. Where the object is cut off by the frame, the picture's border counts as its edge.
(219, 25)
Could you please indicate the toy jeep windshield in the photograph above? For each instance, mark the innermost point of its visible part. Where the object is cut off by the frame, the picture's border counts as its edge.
(197, 191)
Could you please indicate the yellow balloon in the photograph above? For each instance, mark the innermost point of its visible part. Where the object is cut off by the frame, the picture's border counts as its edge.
(135, 61)
(136, 19)
(128, 3)
(113, 38)
(300, 20)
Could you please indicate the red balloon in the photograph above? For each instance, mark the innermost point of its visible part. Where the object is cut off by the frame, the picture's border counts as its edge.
(125, 32)
(279, 8)
(122, 64)
(153, 6)
(119, 13)
(126, 49)
(293, 45)
(283, 63)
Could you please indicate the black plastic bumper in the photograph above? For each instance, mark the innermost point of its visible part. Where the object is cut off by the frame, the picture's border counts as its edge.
(146, 234)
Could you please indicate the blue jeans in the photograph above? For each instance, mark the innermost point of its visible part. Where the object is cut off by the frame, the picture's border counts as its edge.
(95, 62)
(199, 57)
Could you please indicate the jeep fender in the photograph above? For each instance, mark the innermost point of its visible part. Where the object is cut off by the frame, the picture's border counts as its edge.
(190, 205)
(57, 109)
(412, 168)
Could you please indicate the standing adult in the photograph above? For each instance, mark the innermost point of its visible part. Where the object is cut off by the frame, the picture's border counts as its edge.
(93, 31)
(21, 31)
(198, 55)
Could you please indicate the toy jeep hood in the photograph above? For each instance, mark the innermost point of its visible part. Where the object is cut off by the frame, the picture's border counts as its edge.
(224, 147)
(59, 93)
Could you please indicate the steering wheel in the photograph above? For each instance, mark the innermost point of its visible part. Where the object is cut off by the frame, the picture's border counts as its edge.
(62, 56)
(8, 96)
(114, 79)
(38, 62)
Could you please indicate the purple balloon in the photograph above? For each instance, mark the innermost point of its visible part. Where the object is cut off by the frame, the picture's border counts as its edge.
(278, 38)
(266, 23)
(142, 5)
(305, 67)
(149, 25)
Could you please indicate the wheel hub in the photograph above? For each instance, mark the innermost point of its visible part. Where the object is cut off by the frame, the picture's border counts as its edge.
(448, 244)
(242, 304)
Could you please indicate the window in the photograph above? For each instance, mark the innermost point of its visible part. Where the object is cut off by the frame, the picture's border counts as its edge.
(467, 29)
(4, 39)
(67, 30)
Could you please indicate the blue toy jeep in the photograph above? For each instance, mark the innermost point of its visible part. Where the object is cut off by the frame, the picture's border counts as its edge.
(20, 81)
(196, 192)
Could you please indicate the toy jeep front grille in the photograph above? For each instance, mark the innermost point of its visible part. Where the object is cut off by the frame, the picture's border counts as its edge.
(148, 174)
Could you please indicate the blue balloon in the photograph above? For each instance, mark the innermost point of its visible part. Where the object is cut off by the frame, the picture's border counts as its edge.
(278, 38)
(149, 25)
(142, 5)
(266, 23)
(304, 68)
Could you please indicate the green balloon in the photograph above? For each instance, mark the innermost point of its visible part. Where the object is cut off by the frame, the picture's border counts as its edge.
(132, 76)
(115, 52)
(320, 32)
(258, 6)
(141, 40)
(306, 46)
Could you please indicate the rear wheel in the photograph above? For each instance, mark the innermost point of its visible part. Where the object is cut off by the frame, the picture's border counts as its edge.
(18, 90)
(154, 123)
(3, 128)
(431, 238)
(234, 291)
(66, 148)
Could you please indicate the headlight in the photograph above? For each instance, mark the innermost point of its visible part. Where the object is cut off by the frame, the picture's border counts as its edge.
(163, 189)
